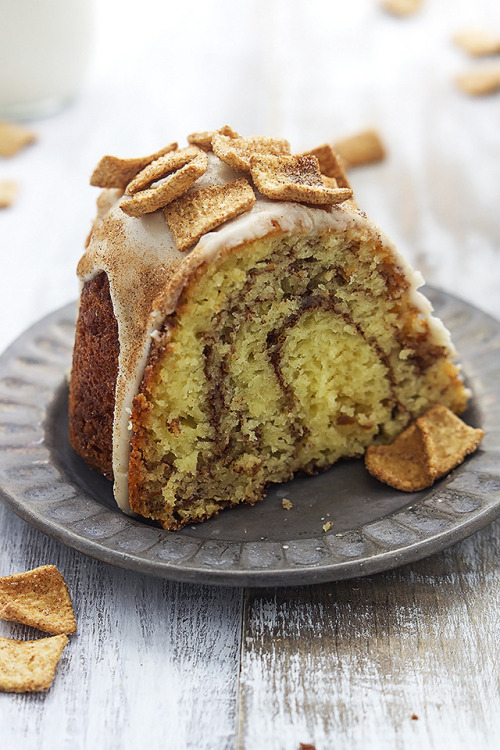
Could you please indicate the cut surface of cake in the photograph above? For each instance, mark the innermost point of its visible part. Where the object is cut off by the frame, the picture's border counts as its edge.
(248, 323)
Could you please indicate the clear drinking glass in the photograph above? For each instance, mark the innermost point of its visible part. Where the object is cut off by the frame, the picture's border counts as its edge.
(44, 49)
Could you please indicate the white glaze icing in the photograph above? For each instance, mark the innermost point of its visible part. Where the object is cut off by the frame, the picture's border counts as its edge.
(147, 273)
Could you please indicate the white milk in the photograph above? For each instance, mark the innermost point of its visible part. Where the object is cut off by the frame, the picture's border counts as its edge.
(44, 47)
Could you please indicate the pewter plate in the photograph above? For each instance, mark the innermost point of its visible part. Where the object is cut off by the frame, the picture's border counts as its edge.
(374, 528)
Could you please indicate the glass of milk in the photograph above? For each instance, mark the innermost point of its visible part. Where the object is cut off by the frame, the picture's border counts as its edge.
(44, 49)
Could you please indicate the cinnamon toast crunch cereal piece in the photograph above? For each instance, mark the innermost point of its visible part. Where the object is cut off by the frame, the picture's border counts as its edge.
(449, 439)
(161, 168)
(39, 598)
(14, 137)
(294, 178)
(237, 152)
(401, 7)
(363, 148)
(229, 131)
(8, 192)
(427, 450)
(175, 185)
(480, 81)
(330, 182)
(478, 42)
(192, 215)
(29, 666)
(113, 172)
(204, 138)
(405, 464)
(329, 165)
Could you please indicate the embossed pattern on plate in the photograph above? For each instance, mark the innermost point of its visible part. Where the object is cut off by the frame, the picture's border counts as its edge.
(374, 528)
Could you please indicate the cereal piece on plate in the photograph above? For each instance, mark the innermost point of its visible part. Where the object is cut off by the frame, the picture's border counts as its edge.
(449, 439)
(8, 192)
(478, 42)
(329, 165)
(404, 464)
(427, 450)
(39, 598)
(29, 666)
(286, 504)
(480, 81)
(363, 148)
(294, 178)
(192, 164)
(237, 152)
(204, 138)
(113, 172)
(401, 7)
(14, 137)
(192, 215)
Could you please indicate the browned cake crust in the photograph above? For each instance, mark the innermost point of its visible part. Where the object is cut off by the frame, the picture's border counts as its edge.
(93, 377)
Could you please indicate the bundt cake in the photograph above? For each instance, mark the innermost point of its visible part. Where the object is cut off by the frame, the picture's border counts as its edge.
(241, 320)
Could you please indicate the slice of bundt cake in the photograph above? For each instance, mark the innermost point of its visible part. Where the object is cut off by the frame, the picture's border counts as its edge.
(241, 320)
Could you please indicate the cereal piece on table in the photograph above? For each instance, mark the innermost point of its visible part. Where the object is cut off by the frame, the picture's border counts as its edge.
(286, 504)
(39, 598)
(478, 43)
(401, 7)
(329, 165)
(176, 184)
(294, 178)
(14, 137)
(204, 138)
(113, 172)
(449, 439)
(404, 464)
(8, 192)
(237, 152)
(363, 148)
(480, 81)
(196, 213)
(29, 666)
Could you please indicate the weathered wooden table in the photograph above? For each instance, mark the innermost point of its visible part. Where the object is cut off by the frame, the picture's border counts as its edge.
(404, 659)
(348, 664)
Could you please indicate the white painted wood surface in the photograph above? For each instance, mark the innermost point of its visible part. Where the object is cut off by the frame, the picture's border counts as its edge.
(158, 664)
(348, 664)
(153, 664)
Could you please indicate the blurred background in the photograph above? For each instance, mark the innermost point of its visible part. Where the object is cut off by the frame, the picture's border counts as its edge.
(309, 71)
